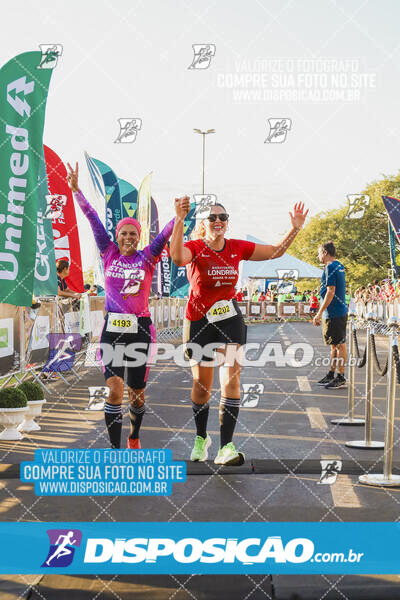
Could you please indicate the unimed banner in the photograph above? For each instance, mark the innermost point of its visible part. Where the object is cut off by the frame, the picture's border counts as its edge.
(65, 229)
(45, 283)
(23, 96)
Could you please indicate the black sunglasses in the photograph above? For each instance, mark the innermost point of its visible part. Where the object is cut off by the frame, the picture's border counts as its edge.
(222, 217)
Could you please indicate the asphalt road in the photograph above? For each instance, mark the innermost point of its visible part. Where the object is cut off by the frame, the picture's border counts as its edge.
(285, 435)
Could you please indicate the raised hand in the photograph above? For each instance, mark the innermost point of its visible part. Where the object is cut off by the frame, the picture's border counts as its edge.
(299, 216)
(72, 177)
(182, 206)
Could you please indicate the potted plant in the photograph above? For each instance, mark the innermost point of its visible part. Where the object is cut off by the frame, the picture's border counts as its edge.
(13, 405)
(35, 396)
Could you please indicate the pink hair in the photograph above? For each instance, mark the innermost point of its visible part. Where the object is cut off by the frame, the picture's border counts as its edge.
(128, 221)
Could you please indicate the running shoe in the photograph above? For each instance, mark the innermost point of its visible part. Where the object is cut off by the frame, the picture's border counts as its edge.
(228, 455)
(327, 379)
(338, 382)
(134, 444)
(200, 449)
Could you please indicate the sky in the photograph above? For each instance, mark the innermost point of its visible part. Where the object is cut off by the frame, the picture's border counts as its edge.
(332, 65)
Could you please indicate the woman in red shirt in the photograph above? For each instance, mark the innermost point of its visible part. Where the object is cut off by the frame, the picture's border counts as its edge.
(213, 319)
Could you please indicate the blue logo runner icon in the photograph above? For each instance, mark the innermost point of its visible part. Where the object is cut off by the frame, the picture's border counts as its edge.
(62, 547)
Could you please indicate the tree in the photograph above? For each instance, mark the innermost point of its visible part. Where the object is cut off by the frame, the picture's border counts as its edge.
(362, 244)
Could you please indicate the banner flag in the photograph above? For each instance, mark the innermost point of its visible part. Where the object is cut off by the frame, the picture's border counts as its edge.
(113, 197)
(129, 196)
(165, 272)
(143, 214)
(154, 231)
(392, 206)
(179, 282)
(99, 204)
(45, 283)
(65, 229)
(23, 95)
(100, 193)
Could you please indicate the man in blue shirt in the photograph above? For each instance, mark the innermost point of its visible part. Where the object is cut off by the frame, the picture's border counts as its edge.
(333, 313)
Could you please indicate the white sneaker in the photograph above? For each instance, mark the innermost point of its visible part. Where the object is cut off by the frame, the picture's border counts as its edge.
(228, 455)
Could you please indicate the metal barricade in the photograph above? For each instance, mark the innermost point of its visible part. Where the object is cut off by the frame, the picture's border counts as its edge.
(255, 310)
(244, 309)
(367, 442)
(287, 309)
(270, 310)
(304, 309)
(387, 479)
(350, 420)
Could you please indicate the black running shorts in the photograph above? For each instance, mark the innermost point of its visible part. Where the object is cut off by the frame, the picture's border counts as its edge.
(334, 330)
(201, 332)
(136, 375)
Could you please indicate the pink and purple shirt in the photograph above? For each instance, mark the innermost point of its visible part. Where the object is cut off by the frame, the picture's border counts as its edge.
(127, 278)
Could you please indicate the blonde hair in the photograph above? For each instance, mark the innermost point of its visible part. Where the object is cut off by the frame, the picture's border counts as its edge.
(199, 232)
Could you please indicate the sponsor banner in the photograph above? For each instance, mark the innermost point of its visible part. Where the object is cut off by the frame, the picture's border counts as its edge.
(45, 283)
(154, 231)
(98, 184)
(65, 229)
(392, 206)
(84, 315)
(143, 214)
(165, 272)
(99, 204)
(200, 548)
(9, 339)
(38, 324)
(113, 197)
(129, 196)
(23, 98)
(179, 281)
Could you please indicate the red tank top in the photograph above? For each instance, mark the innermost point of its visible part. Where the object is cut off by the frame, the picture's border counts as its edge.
(213, 274)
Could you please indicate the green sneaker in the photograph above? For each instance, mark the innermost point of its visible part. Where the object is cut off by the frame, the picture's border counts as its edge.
(228, 455)
(200, 449)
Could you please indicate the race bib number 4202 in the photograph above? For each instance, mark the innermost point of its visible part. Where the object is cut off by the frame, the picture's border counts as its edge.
(122, 323)
(221, 310)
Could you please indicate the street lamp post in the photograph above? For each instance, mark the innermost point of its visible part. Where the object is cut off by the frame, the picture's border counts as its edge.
(204, 133)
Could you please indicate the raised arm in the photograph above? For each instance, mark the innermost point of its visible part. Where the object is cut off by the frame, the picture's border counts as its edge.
(179, 254)
(99, 231)
(267, 252)
(157, 245)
